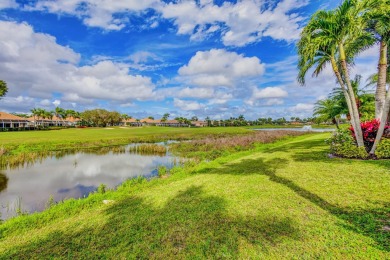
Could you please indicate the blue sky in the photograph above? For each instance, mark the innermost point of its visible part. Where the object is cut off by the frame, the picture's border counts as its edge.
(205, 58)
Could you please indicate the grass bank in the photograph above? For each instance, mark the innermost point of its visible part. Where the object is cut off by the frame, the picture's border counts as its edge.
(20, 147)
(315, 126)
(280, 200)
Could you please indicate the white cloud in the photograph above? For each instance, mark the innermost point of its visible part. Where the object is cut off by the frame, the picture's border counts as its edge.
(8, 4)
(144, 57)
(187, 105)
(45, 102)
(96, 13)
(243, 22)
(219, 67)
(302, 107)
(269, 92)
(269, 96)
(56, 102)
(34, 64)
(238, 24)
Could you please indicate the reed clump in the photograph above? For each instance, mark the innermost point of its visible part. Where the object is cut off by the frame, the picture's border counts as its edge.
(148, 149)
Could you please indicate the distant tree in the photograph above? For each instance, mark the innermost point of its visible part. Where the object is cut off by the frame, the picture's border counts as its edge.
(150, 117)
(208, 120)
(3, 88)
(101, 117)
(165, 117)
(194, 118)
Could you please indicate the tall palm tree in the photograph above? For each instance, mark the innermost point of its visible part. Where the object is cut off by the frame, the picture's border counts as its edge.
(377, 17)
(324, 41)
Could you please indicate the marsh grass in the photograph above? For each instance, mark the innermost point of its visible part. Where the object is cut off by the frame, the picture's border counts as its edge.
(19, 148)
(213, 147)
(148, 149)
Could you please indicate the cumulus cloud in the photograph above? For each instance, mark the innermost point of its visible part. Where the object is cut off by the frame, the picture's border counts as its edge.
(269, 96)
(302, 109)
(218, 67)
(102, 13)
(237, 24)
(8, 4)
(34, 64)
(187, 105)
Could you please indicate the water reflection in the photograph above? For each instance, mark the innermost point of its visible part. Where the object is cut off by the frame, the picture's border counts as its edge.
(74, 175)
(3, 182)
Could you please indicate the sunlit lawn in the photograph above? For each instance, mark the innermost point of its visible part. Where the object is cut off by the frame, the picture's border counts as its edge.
(283, 200)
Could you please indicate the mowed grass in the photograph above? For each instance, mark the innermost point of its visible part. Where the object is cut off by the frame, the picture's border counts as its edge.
(280, 200)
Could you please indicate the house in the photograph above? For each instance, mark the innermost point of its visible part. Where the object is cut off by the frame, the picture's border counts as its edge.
(130, 122)
(199, 123)
(12, 121)
(54, 121)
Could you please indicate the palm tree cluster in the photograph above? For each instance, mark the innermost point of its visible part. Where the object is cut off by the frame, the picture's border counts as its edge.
(336, 37)
(333, 107)
(40, 113)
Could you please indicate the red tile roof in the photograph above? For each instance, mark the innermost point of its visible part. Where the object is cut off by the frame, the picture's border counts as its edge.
(6, 116)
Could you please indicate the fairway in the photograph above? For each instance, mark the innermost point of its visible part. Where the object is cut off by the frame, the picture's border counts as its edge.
(280, 200)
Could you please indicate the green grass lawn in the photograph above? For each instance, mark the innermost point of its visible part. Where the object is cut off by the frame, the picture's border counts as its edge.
(280, 200)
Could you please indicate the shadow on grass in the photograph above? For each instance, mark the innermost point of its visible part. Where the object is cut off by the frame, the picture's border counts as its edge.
(318, 151)
(192, 224)
(365, 222)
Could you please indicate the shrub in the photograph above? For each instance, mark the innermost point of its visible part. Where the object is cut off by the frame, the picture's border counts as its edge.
(383, 149)
(161, 171)
(102, 188)
(370, 129)
(343, 144)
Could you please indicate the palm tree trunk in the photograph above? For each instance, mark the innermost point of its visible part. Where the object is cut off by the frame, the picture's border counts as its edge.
(383, 122)
(355, 111)
(336, 122)
(343, 88)
(380, 93)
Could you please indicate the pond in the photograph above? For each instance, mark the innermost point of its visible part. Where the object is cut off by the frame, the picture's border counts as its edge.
(29, 187)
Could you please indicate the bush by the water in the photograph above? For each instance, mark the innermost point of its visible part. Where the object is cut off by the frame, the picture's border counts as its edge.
(383, 150)
(343, 142)
(369, 129)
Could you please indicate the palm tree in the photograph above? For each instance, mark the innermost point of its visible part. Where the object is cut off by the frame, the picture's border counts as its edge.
(332, 37)
(328, 109)
(364, 99)
(3, 88)
(377, 17)
(165, 117)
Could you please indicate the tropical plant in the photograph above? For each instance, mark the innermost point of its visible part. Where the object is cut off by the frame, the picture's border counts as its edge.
(364, 100)
(335, 37)
(328, 109)
(377, 18)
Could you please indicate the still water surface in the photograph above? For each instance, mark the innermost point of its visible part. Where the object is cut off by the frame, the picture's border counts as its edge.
(72, 176)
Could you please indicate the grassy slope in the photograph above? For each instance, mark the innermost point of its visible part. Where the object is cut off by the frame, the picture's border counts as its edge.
(283, 200)
(290, 126)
